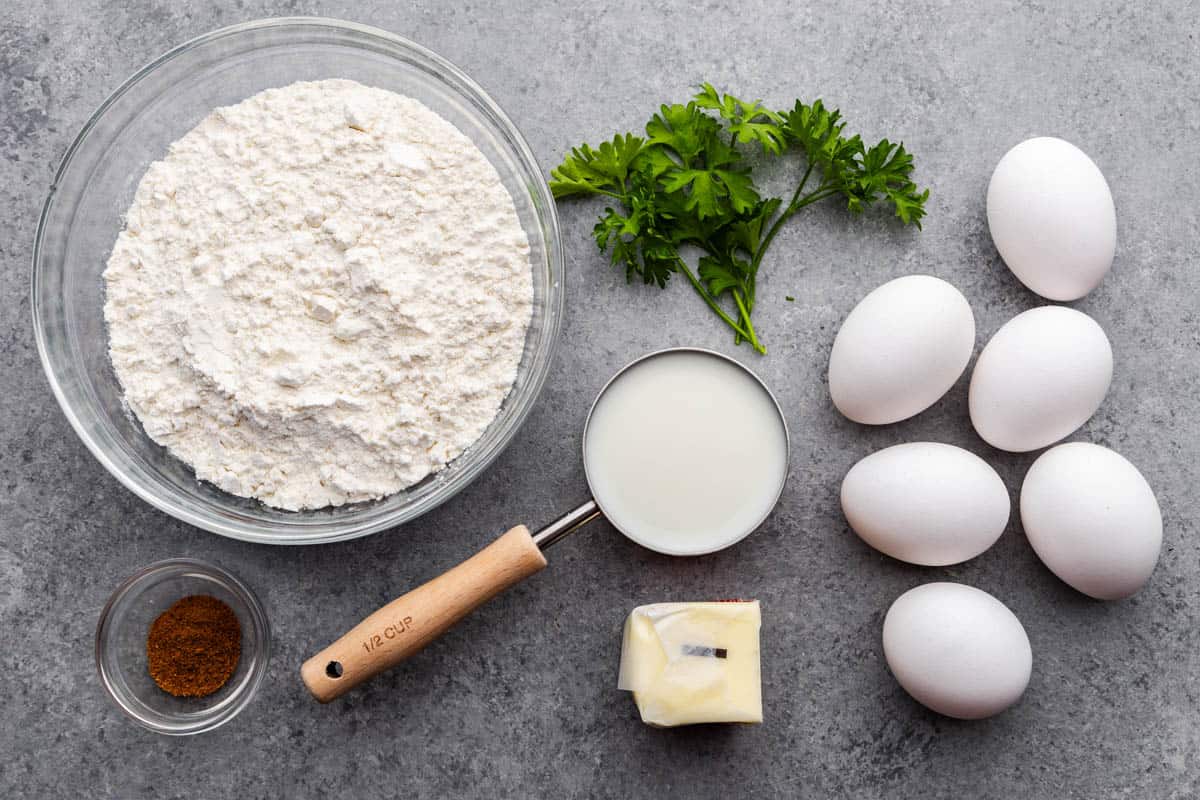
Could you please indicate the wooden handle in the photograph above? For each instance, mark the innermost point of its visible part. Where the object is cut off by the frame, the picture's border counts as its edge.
(405, 625)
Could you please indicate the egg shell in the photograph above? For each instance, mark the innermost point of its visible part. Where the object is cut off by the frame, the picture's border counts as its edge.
(1051, 216)
(926, 503)
(1092, 519)
(1042, 375)
(957, 650)
(900, 349)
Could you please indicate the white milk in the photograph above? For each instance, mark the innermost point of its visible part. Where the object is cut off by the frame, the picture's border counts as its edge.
(685, 452)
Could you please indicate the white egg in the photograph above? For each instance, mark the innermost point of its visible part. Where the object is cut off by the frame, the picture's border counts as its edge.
(926, 503)
(957, 650)
(1042, 375)
(1092, 519)
(900, 350)
(1051, 216)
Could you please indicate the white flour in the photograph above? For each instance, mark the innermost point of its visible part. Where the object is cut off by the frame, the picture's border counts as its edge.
(320, 296)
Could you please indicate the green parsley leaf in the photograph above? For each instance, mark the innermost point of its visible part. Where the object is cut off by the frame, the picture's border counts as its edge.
(818, 131)
(884, 173)
(748, 122)
(684, 130)
(596, 171)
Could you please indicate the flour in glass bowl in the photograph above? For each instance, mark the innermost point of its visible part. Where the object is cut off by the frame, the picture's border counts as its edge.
(320, 295)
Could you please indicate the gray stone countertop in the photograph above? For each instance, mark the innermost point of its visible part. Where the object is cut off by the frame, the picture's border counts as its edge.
(520, 700)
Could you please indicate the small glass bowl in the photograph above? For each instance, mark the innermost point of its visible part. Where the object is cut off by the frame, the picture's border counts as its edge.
(121, 647)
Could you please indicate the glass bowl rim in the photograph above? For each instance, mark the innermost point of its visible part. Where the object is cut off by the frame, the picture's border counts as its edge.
(232, 705)
(206, 516)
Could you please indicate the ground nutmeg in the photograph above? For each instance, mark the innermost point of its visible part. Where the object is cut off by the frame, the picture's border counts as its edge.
(193, 647)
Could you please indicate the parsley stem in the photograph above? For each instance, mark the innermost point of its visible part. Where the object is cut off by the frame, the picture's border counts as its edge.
(803, 183)
(720, 312)
(751, 337)
(797, 203)
(816, 196)
(756, 257)
(783, 217)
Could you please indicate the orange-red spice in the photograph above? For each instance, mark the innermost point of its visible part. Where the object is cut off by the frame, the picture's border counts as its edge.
(194, 646)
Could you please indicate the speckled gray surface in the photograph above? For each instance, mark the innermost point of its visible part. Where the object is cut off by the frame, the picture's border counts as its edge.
(520, 700)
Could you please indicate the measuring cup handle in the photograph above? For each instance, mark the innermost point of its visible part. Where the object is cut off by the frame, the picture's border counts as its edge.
(408, 623)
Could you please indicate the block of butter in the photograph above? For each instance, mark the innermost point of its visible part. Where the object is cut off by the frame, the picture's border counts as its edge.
(693, 662)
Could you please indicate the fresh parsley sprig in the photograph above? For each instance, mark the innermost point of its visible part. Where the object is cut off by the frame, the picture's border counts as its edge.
(688, 182)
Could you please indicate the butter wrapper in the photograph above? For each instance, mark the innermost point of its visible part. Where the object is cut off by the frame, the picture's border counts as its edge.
(688, 663)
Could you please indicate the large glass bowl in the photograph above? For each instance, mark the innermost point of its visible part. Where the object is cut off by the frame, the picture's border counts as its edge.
(95, 185)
